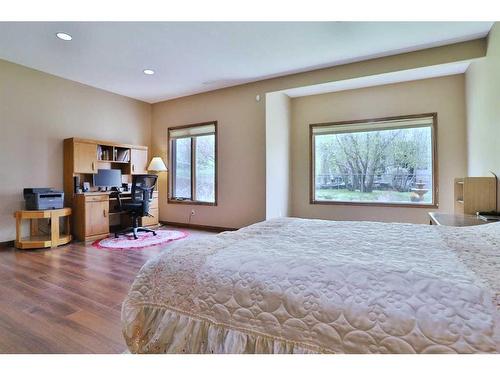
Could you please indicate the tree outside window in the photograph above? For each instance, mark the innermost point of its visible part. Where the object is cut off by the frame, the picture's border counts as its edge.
(387, 161)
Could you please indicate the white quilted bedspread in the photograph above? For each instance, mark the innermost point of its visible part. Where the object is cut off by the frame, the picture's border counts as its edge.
(301, 286)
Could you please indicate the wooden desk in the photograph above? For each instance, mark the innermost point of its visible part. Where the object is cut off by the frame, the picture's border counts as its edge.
(94, 213)
(455, 220)
(36, 239)
(83, 158)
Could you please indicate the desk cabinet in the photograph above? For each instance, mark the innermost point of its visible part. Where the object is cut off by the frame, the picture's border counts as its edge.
(85, 157)
(154, 219)
(96, 218)
(91, 219)
(147, 221)
(139, 161)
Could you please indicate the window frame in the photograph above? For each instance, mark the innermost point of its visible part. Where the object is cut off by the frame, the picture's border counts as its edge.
(171, 165)
(435, 179)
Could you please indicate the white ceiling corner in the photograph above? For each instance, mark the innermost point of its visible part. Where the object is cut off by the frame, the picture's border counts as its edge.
(380, 79)
(194, 57)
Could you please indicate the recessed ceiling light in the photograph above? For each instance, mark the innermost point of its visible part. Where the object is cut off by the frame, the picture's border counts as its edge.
(149, 71)
(64, 36)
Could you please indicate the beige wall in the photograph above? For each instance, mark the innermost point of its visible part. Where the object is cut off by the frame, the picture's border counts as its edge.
(442, 95)
(278, 124)
(241, 155)
(37, 111)
(483, 110)
(241, 127)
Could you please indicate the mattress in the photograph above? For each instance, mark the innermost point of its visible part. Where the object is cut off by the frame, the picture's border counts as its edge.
(312, 286)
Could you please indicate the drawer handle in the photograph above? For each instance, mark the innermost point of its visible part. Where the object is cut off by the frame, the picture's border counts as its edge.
(93, 166)
(133, 167)
(104, 213)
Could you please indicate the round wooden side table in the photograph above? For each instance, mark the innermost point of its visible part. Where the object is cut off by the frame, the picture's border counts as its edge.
(37, 239)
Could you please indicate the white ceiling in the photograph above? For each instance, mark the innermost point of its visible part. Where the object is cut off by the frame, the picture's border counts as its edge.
(193, 57)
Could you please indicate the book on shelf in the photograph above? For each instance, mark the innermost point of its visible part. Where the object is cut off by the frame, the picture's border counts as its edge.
(122, 155)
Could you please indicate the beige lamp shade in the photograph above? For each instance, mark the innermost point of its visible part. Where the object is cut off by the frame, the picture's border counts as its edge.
(157, 165)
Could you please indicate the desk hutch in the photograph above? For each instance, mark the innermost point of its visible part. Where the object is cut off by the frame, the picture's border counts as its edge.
(94, 212)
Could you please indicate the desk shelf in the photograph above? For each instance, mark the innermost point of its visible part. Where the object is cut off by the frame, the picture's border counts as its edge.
(41, 241)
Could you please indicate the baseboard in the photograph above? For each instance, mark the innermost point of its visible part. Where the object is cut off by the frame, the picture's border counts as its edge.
(198, 226)
(7, 244)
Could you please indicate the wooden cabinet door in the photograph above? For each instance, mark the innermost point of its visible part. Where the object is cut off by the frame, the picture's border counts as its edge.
(139, 161)
(150, 220)
(96, 218)
(154, 219)
(85, 155)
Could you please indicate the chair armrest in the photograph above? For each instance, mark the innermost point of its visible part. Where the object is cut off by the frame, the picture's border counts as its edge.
(118, 196)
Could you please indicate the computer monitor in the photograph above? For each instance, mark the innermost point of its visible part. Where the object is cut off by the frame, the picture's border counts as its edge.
(108, 178)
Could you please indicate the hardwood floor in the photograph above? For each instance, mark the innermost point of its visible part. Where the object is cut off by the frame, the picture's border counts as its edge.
(66, 300)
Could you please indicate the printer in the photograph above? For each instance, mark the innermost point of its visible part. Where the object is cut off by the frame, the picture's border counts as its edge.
(43, 198)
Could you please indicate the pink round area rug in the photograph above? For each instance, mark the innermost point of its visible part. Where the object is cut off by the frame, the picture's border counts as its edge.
(127, 242)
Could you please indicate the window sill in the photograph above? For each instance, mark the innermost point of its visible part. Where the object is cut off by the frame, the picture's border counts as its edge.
(376, 204)
(190, 202)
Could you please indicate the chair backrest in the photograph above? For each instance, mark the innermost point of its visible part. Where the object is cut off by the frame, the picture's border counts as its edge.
(143, 186)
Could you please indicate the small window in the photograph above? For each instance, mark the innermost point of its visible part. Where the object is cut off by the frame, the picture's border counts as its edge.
(387, 161)
(193, 164)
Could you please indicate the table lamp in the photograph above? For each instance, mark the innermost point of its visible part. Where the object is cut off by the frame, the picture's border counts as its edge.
(157, 165)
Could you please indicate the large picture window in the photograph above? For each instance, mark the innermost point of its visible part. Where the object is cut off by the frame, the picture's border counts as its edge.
(193, 164)
(390, 161)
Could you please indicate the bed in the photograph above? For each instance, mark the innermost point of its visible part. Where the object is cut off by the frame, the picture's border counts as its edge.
(313, 286)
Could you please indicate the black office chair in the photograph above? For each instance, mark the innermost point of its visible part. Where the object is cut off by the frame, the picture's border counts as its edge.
(142, 194)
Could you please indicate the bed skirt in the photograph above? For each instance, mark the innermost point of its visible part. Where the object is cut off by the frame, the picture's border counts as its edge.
(169, 331)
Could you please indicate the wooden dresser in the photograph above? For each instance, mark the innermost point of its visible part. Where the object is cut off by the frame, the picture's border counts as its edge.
(95, 213)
